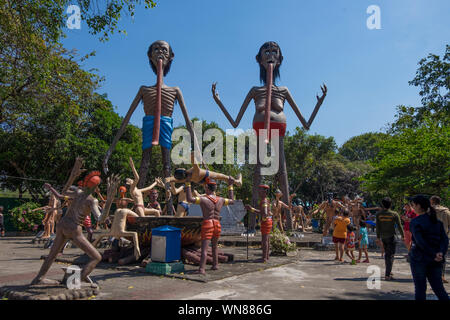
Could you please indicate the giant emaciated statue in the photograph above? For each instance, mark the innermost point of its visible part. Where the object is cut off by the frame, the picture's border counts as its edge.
(269, 114)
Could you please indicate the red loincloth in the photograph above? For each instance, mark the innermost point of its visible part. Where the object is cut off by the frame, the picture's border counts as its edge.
(266, 226)
(273, 125)
(211, 228)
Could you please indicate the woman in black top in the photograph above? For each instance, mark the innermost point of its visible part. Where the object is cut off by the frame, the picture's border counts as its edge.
(429, 246)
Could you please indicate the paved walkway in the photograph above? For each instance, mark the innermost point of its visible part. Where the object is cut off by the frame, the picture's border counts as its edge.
(312, 275)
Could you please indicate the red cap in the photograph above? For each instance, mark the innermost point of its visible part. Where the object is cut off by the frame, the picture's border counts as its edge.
(265, 186)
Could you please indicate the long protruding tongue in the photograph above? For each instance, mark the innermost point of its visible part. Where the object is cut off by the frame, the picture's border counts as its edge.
(156, 124)
(269, 81)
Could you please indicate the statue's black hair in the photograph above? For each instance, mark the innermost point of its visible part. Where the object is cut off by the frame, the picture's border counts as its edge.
(167, 67)
(262, 70)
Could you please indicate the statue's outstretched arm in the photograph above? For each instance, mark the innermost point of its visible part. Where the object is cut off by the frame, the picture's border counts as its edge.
(294, 106)
(248, 98)
(189, 126)
(135, 173)
(296, 109)
(125, 121)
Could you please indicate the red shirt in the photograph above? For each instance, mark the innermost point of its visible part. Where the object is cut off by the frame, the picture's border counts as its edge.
(411, 215)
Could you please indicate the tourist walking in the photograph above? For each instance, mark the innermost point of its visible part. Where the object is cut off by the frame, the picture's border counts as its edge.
(430, 244)
(443, 215)
(386, 220)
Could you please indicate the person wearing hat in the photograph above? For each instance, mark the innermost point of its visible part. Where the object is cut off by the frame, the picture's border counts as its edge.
(266, 219)
(386, 219)
(429, 246)
(211, 205)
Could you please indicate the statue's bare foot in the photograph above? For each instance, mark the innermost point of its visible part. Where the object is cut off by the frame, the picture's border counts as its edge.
(214, 268)
(199, 271)
(145, 262)
(88, 283)
(37, 282)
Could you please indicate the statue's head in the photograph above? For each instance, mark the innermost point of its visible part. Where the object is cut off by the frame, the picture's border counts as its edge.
(278, 193)
(180, 174)
(153, 196)
(210, 186)
(270, 52)
(160, 50)
(262, 190)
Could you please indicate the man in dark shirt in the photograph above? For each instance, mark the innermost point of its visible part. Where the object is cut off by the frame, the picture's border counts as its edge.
(386, 221)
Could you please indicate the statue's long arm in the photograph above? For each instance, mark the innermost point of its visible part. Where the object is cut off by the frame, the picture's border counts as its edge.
(248, 98)
(74, 174)
(294, 107)
(189, 126)
(318, 104)
(113, 184)
(150, 187)
(125, 121)
(135, 173)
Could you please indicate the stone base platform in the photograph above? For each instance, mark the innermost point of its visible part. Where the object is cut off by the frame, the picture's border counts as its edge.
(47, 292)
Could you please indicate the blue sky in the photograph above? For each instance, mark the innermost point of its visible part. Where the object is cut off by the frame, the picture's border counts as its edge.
(366, 71)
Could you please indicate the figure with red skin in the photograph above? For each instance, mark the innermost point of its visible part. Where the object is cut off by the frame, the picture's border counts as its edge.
(211, 228)
(265, 218)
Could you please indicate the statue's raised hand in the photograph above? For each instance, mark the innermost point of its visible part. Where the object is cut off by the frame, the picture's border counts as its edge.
(324, 93)
(214, 91)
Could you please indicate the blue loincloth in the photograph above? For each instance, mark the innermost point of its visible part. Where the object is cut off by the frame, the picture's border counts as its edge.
(165, 132)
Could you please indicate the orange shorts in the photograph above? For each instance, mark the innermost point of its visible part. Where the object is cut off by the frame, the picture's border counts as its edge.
(211, 228)
(273, 125)
(266, 226)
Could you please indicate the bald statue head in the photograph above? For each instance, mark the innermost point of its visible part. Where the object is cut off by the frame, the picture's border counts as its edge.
(160, 50)
(270, 52)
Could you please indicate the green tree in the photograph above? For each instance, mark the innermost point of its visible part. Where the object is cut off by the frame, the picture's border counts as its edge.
(362, 147)
(416, 160)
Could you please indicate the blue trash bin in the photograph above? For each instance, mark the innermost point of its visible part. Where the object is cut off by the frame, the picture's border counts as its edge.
(166, 244)
(315, 224)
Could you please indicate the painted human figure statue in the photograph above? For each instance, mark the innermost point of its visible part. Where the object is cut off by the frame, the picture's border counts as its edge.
(183, 204)
(277, 206)
(137, 193)
(51, 211)
(120, 218)
(269, 58)
(159, 101)
(211, 228)
(265, 215)
(357, 211)
(70, 228)
(199, 175)
(330, 207)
